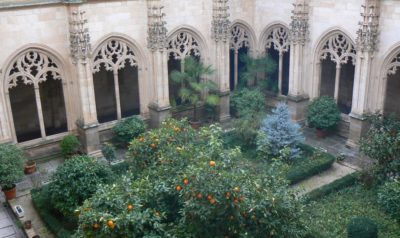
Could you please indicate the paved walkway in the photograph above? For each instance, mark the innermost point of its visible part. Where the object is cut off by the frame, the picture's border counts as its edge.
(8, 227)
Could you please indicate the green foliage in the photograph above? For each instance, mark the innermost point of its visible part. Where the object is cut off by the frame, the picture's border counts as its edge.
(11, 165)
(256, 67)
(279, 132)
(308, 166)
(330, 215)
(346, 181)
(108, 151)
(128, 129)
(323, 113)
(389, 198)
(70, 145)
(75, 181)
(194, 89)
(41, 200)
(362, 227)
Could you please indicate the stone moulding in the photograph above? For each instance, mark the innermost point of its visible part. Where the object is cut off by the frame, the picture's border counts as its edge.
(28, 3)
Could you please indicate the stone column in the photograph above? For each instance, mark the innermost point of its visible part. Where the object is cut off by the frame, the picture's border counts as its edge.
(220, 34)
(80, 50)
(297, 99)
(157, 43)
(366, 46)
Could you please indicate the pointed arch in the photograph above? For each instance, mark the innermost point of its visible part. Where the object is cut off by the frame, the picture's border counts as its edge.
(35, 91)
(119, 75)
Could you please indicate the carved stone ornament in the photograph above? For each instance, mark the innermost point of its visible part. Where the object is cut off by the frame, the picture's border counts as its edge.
(183, 44)
(299, 26)
(113, 55)
(367, 34)
(239, 38)
(339, 48)
(157, 32)
(79, 36)
(32, 68)
(393, 66)
(220, 23)
(278, 37)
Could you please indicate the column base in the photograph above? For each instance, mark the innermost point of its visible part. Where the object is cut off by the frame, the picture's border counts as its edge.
(90, 139)
(358, 127)
(223, 112)
(298, 107)
(158, 114)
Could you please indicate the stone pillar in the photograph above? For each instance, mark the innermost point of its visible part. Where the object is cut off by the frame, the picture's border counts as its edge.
(220, 34)
(297, 99)
(80, 50)
(366, 46)
(157, 43)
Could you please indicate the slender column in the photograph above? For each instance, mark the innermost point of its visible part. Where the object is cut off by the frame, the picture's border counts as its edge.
(236, 67)
(40, 111)
(280, 72)
(337, 82)
(117, 97)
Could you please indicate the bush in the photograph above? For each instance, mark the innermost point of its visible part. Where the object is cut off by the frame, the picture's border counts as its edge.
(108, 151)
(75, 181)
(323, 113)
(247, 101)
(336, 185)
(11, 165)
(362, 227)
(277, 132)
(128, 129)
(389, 198)
(69, 145)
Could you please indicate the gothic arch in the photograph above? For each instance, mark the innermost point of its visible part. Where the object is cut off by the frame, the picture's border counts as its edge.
(249, 37)
(390, 68)
(334, 51)
(116, 52)
(33, 65)
(274, 40)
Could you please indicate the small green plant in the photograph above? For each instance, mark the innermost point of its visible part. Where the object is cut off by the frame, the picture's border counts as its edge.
(323, 113)
(108, 151)
(69, 145)
(75, 181)
(11, 165)
(254, 67)
(128, 129)
(362, 227)
(389, 198)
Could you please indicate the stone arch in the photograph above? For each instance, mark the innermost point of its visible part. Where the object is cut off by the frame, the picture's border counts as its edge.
(36, 65)
(335, 58)
(114, 53)
(389, 74)
(274, 40)
(242, 41)
(182, 42)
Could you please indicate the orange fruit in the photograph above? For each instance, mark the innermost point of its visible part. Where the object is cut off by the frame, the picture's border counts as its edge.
(213, 201)
(228, 195)
(209, 197)
(153, 145)
(130, 207)
(96, 226)
(235, 200)
(141, 139)
(111, 224)
(186, 181)
(178, 188)
(157, 214)
(199, 196)
(212, 163)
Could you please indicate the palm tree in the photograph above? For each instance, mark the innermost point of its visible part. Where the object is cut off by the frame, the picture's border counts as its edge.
(194, 89)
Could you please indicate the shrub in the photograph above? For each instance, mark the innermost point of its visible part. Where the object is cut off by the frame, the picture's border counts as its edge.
(75, 181)
(108, 151)
(389, 198)
(254, 67)
(323, 113)
(11, 165)
(336, 185)
(69, 145)
(362, 227)
(247, 101)
(277, 132)
(128, 129)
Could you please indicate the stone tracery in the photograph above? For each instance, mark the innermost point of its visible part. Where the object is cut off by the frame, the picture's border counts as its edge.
(183, 44)
(239, 38)
(278, 37)
(339, 48)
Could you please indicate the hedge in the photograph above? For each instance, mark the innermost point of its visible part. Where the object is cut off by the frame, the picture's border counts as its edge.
(41, 201)
(310, 165)
(336, 185)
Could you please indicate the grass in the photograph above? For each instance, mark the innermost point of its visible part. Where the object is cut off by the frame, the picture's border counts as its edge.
(329, 216)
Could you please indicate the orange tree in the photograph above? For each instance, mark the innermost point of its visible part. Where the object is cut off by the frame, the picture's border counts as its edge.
(189, 185)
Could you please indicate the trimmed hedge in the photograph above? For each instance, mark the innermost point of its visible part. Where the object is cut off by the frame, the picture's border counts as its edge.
(41, 201)
(336, 185)
(312, 163)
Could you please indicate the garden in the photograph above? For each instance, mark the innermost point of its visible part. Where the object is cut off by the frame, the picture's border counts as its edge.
(181, 180)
